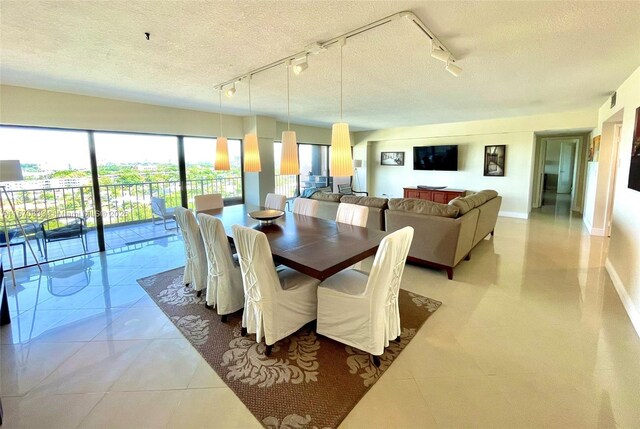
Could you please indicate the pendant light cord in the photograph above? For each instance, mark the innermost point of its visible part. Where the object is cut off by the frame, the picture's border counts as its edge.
(220, 109)
(249, 95)
(288, 108)
(341, 45)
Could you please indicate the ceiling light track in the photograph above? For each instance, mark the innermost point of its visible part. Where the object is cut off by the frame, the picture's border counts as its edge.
(320, 46)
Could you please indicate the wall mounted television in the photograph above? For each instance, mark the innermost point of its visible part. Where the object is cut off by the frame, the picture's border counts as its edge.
(435, 158)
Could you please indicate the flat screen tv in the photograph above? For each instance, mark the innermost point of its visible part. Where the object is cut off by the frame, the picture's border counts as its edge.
(435, 158)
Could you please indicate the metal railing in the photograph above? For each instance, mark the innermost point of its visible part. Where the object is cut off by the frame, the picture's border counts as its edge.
(121, 203)
(286, 185)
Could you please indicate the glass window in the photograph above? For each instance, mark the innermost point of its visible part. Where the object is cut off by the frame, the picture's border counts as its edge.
(202, 178)
(57, 183)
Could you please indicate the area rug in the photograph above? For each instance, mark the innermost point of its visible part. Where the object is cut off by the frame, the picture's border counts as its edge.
(309, 381)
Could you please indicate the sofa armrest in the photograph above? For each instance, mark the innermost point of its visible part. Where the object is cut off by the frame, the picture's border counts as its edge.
(439, 240)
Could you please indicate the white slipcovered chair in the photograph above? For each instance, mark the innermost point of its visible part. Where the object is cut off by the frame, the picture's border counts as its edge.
(277, 304)
(195, 268)
(362, 311)
(160, 210)
(224, 279)
(352, 214)
(208, 202)
(305, 206)
(275, 201)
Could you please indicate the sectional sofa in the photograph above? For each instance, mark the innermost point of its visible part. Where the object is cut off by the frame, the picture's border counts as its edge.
(444, 235)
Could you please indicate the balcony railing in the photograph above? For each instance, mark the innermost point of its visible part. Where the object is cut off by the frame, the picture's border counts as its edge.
(286, 185)
(121, 203)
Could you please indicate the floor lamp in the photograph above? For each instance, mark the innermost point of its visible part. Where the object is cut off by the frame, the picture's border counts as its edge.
(11, 171)
(357, 163)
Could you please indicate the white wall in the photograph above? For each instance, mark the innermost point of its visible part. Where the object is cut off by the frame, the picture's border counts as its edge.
(623, 261)
(517, 133)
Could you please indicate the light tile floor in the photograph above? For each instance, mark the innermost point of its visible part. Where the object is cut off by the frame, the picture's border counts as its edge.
(531, 334)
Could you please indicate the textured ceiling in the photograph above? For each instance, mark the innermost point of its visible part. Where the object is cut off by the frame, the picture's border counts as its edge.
(519, 58)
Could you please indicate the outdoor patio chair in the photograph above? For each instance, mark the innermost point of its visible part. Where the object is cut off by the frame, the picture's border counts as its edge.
(346, 189)
(160, 210)
(63, 228)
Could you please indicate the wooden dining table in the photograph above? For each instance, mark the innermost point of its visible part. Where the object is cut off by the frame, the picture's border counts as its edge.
(317, 247)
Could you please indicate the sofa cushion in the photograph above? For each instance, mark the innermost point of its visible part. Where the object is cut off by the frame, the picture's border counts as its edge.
(472, 200)
(376, 202)
(489, 193)
(414, 205)
(323, 196)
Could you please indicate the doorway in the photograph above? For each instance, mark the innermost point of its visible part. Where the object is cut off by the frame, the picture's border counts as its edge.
(558, 173)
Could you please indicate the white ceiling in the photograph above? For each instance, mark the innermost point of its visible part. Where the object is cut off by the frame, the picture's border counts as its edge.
(519, 58)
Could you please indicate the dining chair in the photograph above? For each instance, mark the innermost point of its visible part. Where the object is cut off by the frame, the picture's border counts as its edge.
(352, 214)
(277, 303)
(159, 210)
(362, 310)
(208, 202)
(275, 201)
(195, 268)
(225, 292)
(305, 206)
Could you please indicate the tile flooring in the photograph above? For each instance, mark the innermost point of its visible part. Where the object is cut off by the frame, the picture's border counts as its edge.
(531, 334)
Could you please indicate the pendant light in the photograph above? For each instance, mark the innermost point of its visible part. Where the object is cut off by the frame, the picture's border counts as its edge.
(341, 164)
(222, 147)
(289, 160)
(251, 151)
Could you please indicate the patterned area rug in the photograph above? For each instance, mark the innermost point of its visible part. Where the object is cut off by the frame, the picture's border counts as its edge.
(309, 381)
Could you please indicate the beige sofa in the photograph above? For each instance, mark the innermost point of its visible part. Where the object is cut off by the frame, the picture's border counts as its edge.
(444, 233)
(328, 207)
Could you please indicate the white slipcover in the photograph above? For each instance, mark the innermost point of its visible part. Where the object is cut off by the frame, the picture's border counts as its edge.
(352, 214)
(305, 206)
(362, 311)
(275, 201)
(195, 268)
(224, 280)
(208, 202)
(276, 303)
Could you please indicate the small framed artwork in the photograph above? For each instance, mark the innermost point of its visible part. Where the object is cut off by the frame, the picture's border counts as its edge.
(634, 167)
(494, 159)
(392, 158)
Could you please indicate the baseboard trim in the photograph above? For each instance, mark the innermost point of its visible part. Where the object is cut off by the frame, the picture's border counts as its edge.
(632, 312)
(518, 215)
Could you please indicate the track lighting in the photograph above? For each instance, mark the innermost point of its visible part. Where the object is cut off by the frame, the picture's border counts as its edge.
(453, 69)
(301, 66)
(231, 91)
(439, 54)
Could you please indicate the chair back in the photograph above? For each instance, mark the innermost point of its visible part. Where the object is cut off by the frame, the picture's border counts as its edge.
(305, 206)
(345, 189)
(218, 251)
(259, 277)
(158, 206)
(275, 201)
(62, 227)
(208, 202)
(194, 247)
(352, 214)
(384, 279)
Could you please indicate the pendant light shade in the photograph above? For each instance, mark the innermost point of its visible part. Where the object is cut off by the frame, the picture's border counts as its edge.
(289, 161)
(222, 154)
(251, 154)
(341, 162)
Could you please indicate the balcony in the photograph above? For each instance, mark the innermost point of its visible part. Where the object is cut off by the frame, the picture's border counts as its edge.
(126, 214)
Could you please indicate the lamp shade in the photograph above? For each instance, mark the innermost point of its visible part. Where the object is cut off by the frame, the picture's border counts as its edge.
(357, 163)
(10, 170)
(222, 154)
(289, 161)
(251, 154)
(341, 164)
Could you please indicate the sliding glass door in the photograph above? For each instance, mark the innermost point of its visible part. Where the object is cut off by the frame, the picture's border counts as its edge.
(54, 203)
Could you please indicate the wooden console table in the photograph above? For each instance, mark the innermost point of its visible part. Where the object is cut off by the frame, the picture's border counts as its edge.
(442, 196)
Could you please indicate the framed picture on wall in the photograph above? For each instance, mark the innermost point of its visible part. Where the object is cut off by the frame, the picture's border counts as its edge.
(392, 158)
(494, 160)
(634, 167)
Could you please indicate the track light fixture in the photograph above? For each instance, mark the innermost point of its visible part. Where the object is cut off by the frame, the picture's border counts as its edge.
(453, 69)
(301, 65)
(231, 91)
(439, 54)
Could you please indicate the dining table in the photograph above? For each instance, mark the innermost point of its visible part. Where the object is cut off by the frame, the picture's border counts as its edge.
(317, 247)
